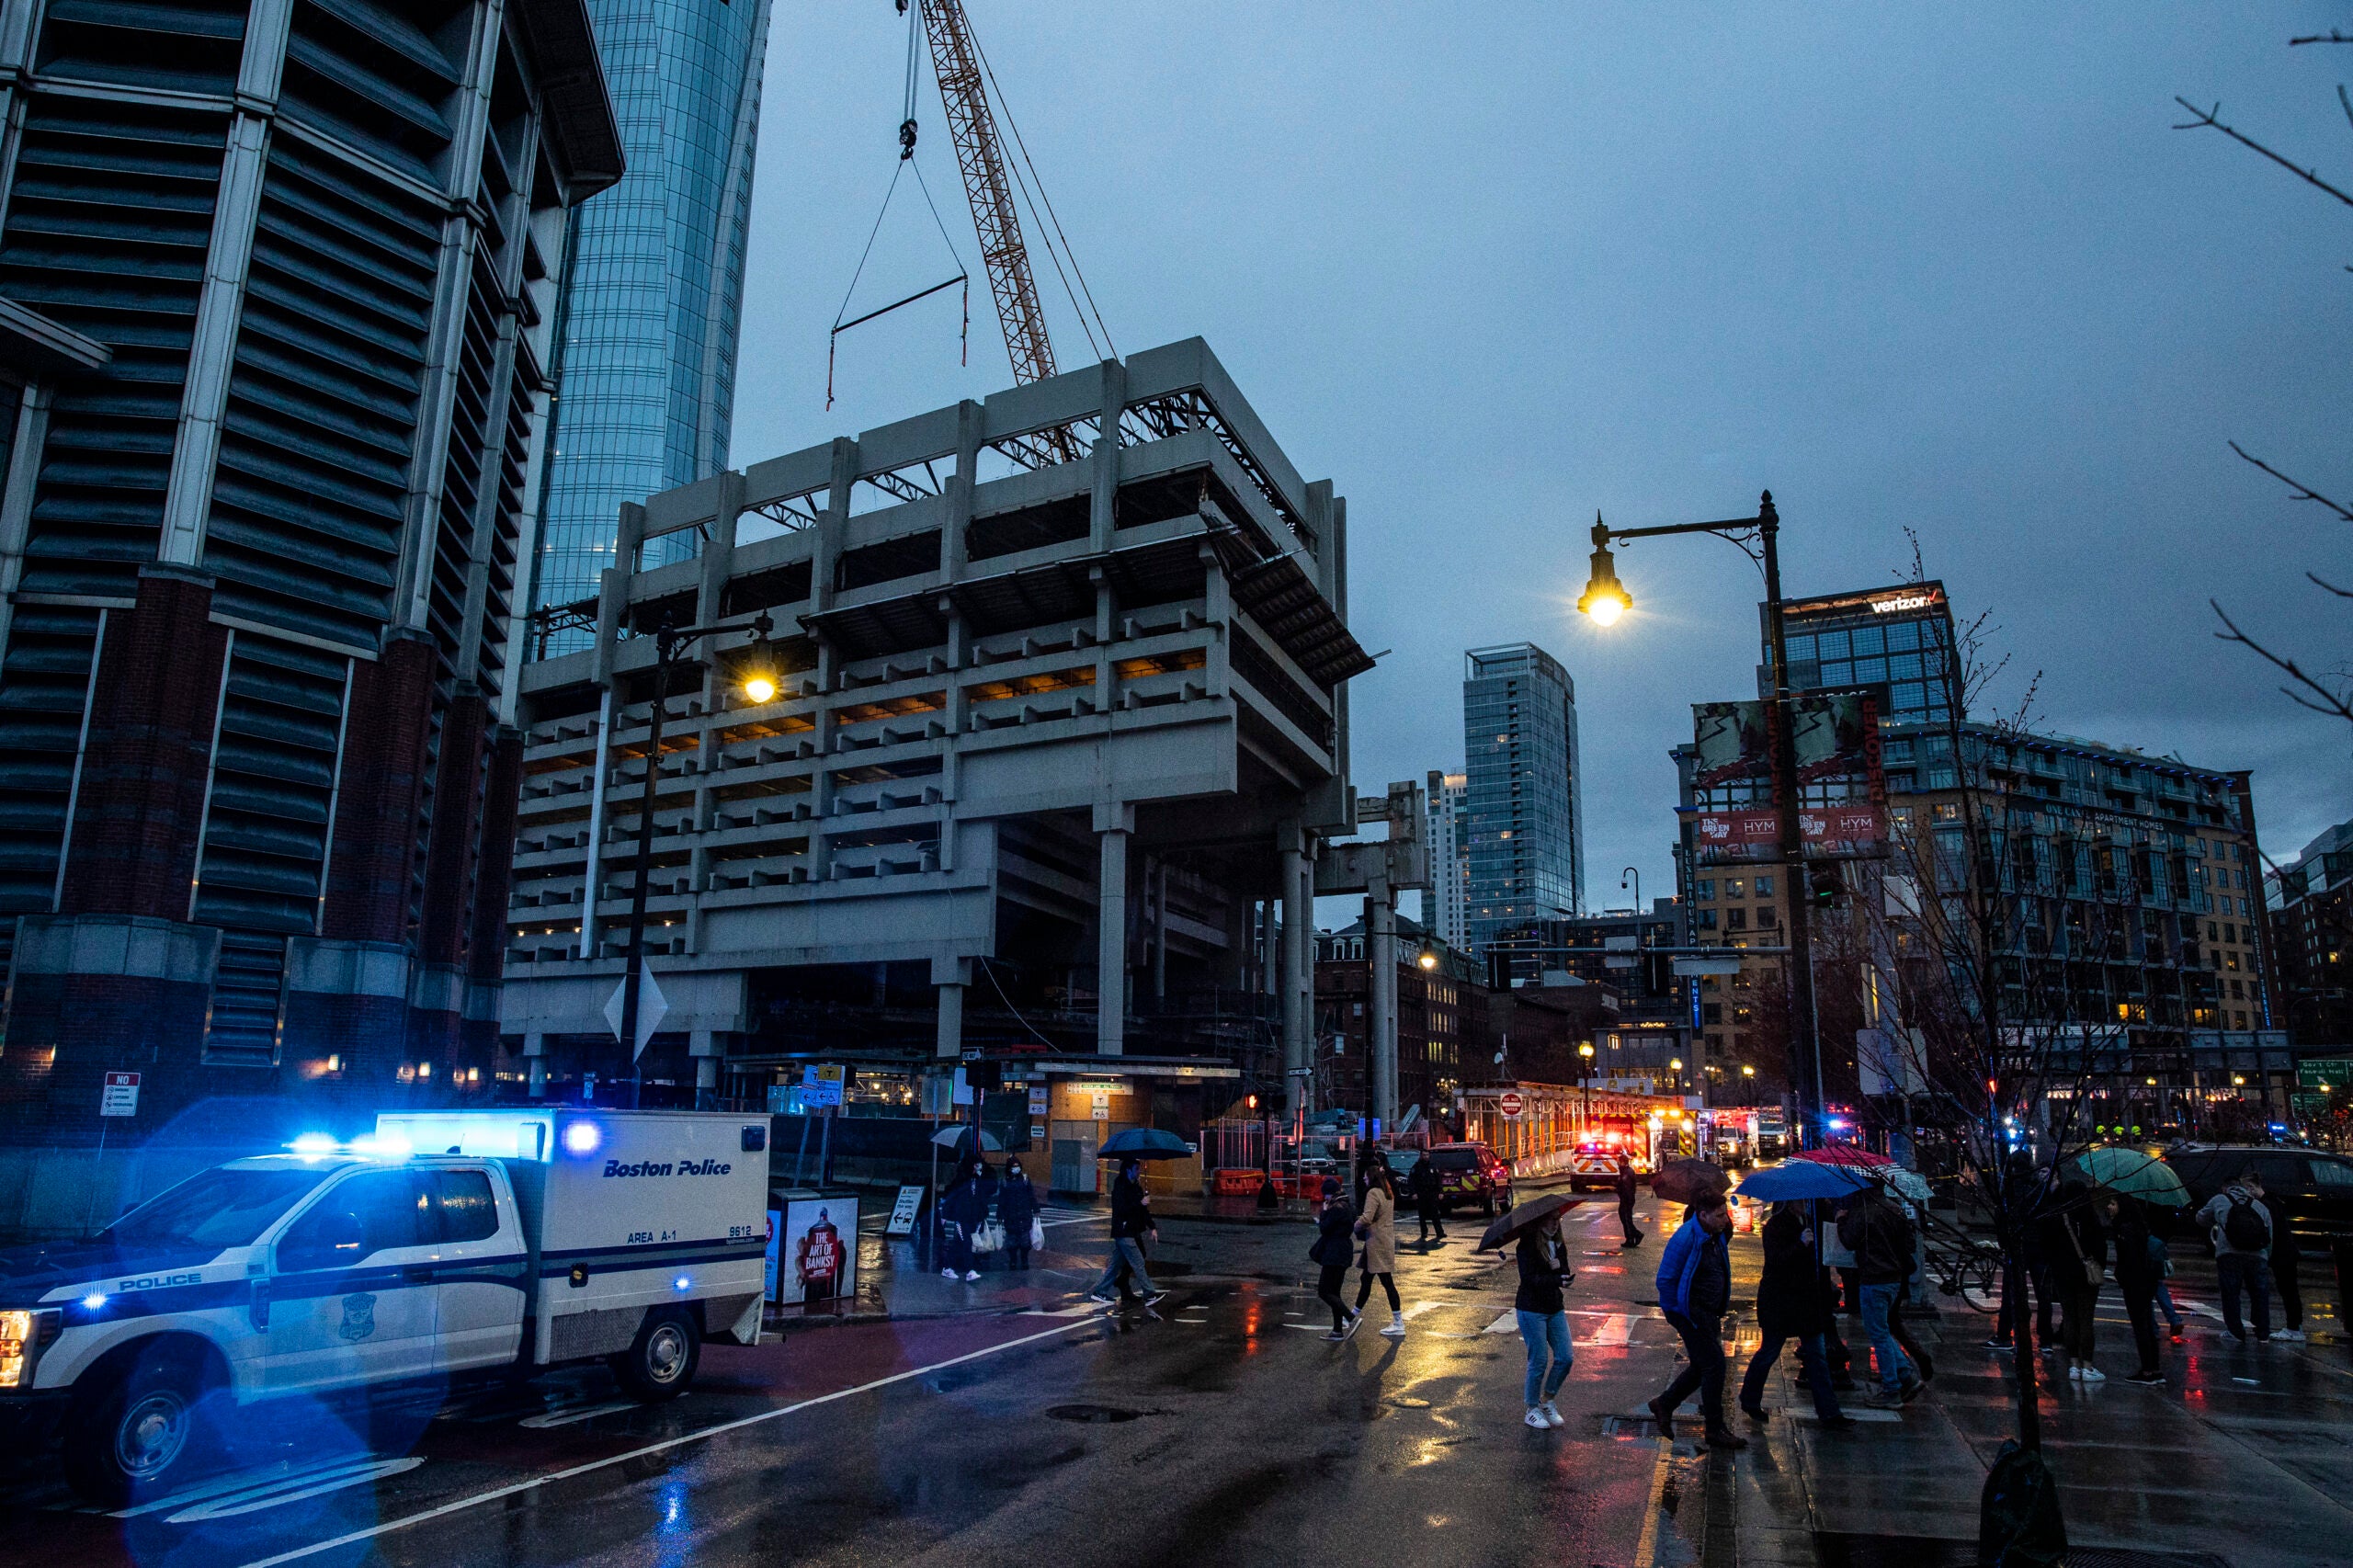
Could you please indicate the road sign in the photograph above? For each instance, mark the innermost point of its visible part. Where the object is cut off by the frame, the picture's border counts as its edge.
(651, 1007)
(904, 1210)
(1510, 1104)
(119, 1096)
(821, 1084)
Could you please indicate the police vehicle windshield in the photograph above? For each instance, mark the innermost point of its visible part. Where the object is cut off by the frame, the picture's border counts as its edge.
(217, 1209)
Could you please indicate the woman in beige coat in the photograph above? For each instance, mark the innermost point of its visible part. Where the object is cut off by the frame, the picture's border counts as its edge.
(1377, 1230)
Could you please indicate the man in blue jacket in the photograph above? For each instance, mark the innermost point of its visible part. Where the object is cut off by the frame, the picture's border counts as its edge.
(1694, 1289)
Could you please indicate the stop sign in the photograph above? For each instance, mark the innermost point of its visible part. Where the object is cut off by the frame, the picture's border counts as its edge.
(1509, 1104)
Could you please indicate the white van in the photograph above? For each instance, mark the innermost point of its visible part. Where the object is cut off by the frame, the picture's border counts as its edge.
(449, 1242)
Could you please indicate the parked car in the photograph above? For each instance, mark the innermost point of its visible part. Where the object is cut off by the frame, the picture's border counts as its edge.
(1469, 1173)
(2312, 1187)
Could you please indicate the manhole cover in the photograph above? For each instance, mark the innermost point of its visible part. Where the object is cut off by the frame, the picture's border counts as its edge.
(1099, 1414)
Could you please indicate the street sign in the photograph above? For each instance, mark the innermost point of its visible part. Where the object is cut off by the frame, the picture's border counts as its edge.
(903, 1211)
(821, 1084)
(119, 1096)
(1510, 1104)
(651, 1007)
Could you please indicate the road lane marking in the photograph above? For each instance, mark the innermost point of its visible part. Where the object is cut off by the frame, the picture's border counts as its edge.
(461, 1505)
(1646, 1548)
(1418, 1307)
(1508, 1323)
(278, 1496)
(1616, 1329)
(578, 1412)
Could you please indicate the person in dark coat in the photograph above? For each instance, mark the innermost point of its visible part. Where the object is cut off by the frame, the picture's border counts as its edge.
(1627, 1187)
(2286, 1255)
(1131, 1223)
(1428, 1193)
(966, 1205)
(1544, 1318)
(2137, 1278)
(1017, 1210)
(2074, 1245)
(1335, 1248)
(1791, 1305)
(2024, 1201)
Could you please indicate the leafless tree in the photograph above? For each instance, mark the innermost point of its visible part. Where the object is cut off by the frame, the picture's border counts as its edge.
(2325, 690)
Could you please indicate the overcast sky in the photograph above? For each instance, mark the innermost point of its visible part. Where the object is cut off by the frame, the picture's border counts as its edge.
(1490, 268)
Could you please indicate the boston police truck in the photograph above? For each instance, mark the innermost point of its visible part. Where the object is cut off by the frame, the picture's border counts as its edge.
(446, 1242)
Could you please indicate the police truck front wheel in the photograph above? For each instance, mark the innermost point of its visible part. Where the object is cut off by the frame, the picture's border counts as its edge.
(660, 1361)
(137, 1434)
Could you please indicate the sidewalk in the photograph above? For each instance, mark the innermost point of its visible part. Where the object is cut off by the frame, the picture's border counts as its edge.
(2246, 1456)
(892, 1283)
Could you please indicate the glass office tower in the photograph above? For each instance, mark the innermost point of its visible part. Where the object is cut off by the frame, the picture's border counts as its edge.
(1525, 793)
(653, 303)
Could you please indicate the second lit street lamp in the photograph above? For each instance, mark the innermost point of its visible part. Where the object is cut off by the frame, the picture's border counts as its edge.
(1605, 600)
(758, 678)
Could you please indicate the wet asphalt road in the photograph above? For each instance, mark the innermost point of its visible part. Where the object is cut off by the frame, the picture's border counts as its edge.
(1220, 1428)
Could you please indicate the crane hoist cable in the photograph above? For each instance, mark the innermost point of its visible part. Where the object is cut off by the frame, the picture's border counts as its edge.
(964, 275)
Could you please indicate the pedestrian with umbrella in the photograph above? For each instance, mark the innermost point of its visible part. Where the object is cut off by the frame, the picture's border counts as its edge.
(1541, 1310)
(1793, 1297)
(1132, 1210)
(2136, 1184)
(1334, 1248)
(1880, 1236)
(1694, 1289)
(1533, 1231)
(966, 1205)
(1377, 1230)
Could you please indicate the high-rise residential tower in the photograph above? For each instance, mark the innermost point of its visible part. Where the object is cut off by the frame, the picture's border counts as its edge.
(652, 301)
(1446, 914)
(279, 288)
(1524, 791)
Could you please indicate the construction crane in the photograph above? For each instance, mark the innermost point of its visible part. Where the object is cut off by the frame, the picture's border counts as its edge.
(988, 186)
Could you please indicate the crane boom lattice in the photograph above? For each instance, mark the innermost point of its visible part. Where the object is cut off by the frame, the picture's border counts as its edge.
(988, 188)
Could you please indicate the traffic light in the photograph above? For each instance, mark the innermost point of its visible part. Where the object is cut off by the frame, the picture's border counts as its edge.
(1250, 1103)
(1825, 887)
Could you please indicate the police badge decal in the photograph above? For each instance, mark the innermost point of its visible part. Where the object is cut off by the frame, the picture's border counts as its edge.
(358, 1317)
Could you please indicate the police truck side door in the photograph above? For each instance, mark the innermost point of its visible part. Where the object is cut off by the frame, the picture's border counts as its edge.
(350, 1297)
(480, 1270)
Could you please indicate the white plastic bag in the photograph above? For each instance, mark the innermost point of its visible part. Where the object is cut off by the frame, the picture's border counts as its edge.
(989, 1237)
(1037, 1235)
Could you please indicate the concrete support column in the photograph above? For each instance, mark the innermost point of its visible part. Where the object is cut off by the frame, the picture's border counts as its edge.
(1381, 925)
(1113, 823)
(535, 1055)
(1159, 929)
(706, 1048)
(1293, 915)
(950, 975)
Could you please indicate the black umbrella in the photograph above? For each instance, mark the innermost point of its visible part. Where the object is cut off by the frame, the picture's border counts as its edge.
(1686, 1181)
(1143, 1143)
(1533, 1212)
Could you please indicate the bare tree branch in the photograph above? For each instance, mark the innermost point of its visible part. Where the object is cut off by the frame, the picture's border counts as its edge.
(2314, 578)
(2335, 704)
(2332, 36)
(2205, 120)
(2303, 492)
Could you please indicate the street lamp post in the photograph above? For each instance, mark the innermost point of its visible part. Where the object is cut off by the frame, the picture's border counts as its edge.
(1675, 1065)
(1585, 1126)
(1605, 600)
(760, 684)
(1747, 1084)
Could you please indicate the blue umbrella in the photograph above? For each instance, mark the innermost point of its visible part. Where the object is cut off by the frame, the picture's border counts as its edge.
(1143, 1143)
(1795, 1180)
